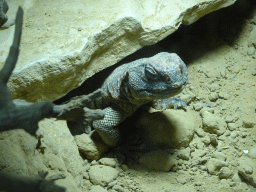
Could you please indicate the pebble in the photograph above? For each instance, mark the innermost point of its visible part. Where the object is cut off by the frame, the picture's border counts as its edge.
(225, 173)
(252, 153)
(232, 126)
(97, 188)
(102, 175)
(220, 156)
(184, 154)
(213, 96)
(251, 51)
(233, 134)
(108, 161)
(214, 165)
(248, 123)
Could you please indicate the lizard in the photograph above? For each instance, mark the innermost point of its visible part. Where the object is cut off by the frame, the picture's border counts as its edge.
(154, 80)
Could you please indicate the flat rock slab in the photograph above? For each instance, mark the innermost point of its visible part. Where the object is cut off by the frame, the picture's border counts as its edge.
(64, 43)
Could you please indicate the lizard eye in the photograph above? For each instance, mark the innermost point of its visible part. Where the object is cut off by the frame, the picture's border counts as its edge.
(150, 73)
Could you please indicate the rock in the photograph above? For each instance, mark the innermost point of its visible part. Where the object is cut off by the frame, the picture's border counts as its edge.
(252, 153)
(198, 106)
(187, 98)
(247, 123)
(91, 145)
(196, 143)
(246, 169)
(214, 139)
(231, 119)
(102, 175)
(98, 188)
(225, 173)
(64, 54)
(250, 50)
(173, 128)
(233, 134)
(198, 153)
(213, 123)
(158, 160)
(108, 162)
(219, 155)
(214, 165)
(184, 154)
(213, 96)
(232, 126)
(253, 72)
(200, 132)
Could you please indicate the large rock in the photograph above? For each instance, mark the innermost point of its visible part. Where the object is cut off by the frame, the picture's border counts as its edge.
(172, 128)
(64, 43)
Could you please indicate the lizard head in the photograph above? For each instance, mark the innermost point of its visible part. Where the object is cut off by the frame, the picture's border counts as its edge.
(161, 76)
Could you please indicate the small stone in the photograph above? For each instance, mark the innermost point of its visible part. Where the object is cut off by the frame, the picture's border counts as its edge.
(198, 153)
(253, 72)
(225, 173)
(124, 167)
(233, 134)
(184, 154)
(251, 51)
(213, 96)
(214, 165)
(232, 126)
(214, 139)
(220, 156)
(102, 175)
(248, 123)
(252, 153)
(200, 132)
(213, 123)
(118, 188)
(229, 119)
(198, 183)
(98, 188)
(198, 106)
(94, 162)
(109, 162)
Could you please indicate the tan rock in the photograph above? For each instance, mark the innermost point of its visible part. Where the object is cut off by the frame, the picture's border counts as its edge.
(61, 49)
(173, 128)
(213, 123)
(91, 145)
(102, 175)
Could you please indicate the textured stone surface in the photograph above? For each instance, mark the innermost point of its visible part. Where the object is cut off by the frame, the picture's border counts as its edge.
(64, 45)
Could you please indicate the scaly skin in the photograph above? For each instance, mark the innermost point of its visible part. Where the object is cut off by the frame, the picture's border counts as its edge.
(155, 79)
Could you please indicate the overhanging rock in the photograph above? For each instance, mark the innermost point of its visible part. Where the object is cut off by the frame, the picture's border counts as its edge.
(65, 43)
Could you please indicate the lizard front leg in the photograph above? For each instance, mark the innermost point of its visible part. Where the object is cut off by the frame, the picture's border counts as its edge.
(106, 127)
(173, 102)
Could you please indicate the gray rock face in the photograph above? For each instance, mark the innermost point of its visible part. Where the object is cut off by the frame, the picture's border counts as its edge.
(66, 53)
